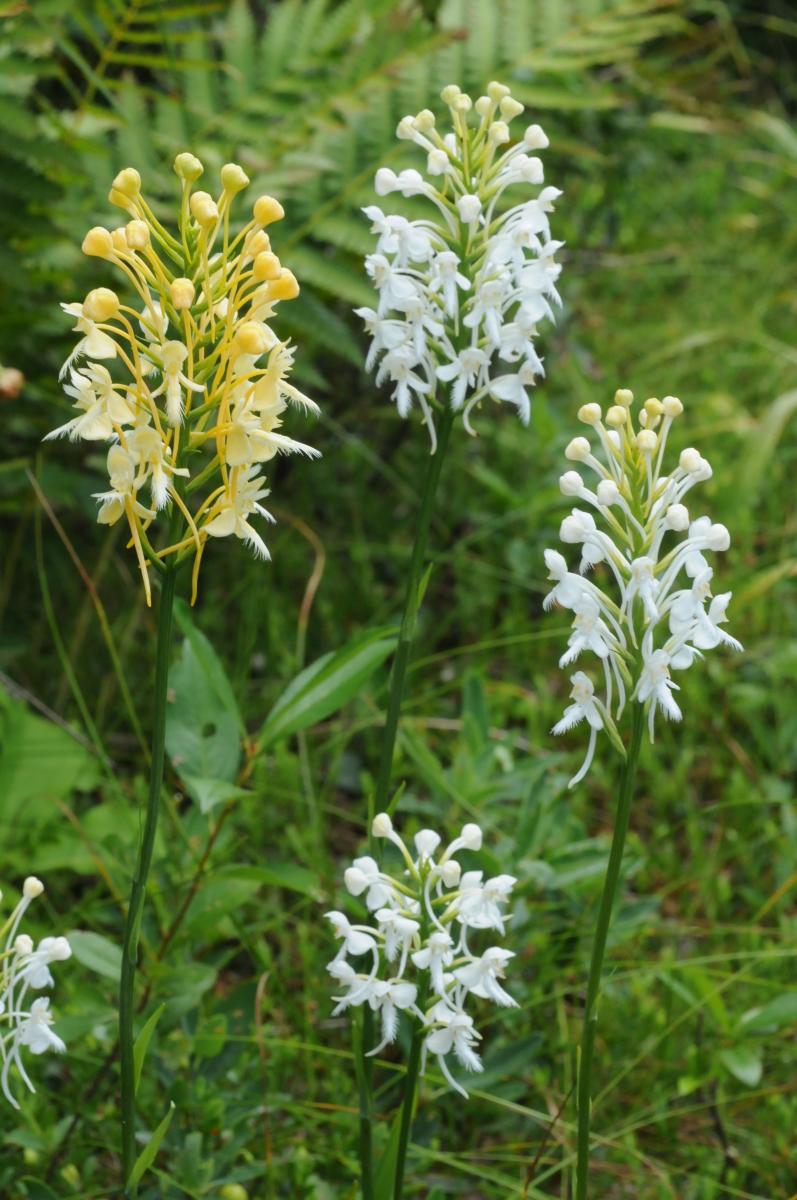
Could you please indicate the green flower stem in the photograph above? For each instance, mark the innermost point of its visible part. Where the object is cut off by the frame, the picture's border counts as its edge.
(408, 1103)
(409, 616)
(379, 802)
(608, 895)
(138, 891)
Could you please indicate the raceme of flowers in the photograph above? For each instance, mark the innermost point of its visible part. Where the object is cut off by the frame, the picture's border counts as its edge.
(414, 956)
(652, 609)
(462, 291)
(25, 1018)
(185, 379)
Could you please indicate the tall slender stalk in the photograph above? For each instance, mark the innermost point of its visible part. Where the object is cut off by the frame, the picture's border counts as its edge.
(380, 799)
(608, 895)
(138, 891)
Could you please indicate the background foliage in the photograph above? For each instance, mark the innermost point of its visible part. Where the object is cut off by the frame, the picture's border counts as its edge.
(672, 131)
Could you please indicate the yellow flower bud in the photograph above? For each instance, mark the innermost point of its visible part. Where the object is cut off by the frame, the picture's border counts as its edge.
(672, 406)
(258, 243)
(182, 292)
(188, 167)
(128, 182)
(119, 239)
(101, 304)
(624, 396)
(204, 209)
(234, 178)
(616, 416)
(654, 407)
(590, 414)
(137, 235)
(497, 91)
(98, 243)
(510, 107)
(266, 209)
(286, 287)
(233, 1191)
(251, 338)
(267, 266)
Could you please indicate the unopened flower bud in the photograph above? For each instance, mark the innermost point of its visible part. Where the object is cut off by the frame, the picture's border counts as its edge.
(101, 304)
(425, 121)
(98, 242)
(571, 483)
(578, 450)
(677, 517)
(233, 1191)
(718, 537)
(137, 233)
(672, 406)
(266, 210)
(405, 130)
(449, 93)
(607, 492)
(497, 91)
(204, 209)
(266, 266)
(590, 414)
(451, 873)
(690, 460)
(654, 407)
(182, 292)
(12, 382)
(119, 239)
(472, 836)
(616, 416)
(483, 105)
(32, 887)
(385, 181)
(437, 162)
(510, 108)
(646, 440)
(382, 826)
(284, 287)
(251, 338)
(469, 208)
(258, 243)
(188, 167)
(624, 396)
(498, 133)
(128, 182)
(535, 138)
(426, 842)
(462, 103)
(23, 943)
(233, 178)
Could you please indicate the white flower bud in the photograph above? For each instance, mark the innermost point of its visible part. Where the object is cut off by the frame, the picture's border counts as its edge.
(451, 873)
(690, 460)
(60, 950)
(624, 396)
(654, 407)
(405, 130)
(425, 121)
(449, 93)
(718, 537)
(23, 944)
(355, 880)
(32, 887)
(616, 416)
(438, 162)
(469, 208)
(646, 440)
(462, 103)
(677, 517)
(385, 181)
(498, 133)
(578, 450)
(535, 138)
(426, 842)
(607, 492)
(590, 414)
(672, 406)
(382, 826)
(510, 108)
(483, 105)
(571, 483)
(497, 91)
(471, 836)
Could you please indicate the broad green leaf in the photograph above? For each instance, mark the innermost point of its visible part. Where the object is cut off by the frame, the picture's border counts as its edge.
(216, 898)
(202, 724)
(38, 760)
(96, 952)
(326, 685)
(289, 876)
(771, 1017)
(143, 1040)
(183, 986)
(744, 1063)
(211, 663)
(36, 1189)
(210, 792)
(147, 1156)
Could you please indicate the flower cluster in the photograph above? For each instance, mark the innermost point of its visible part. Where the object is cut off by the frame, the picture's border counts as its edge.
(461, 294)
(24, 1021)
(203, 379)
(415, 957)
(653, 610)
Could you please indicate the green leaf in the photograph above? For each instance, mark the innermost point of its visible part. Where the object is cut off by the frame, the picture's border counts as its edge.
(744, 1063)
(143, 1040)
(386, 1168)
(147, 1156)
(36, 1189)
(210, 792)
(38, 761)
(771, 1017)
(210, 661)
(289, 876)
(96, 952)
(203, 725)
(217, 897)
(326, 685)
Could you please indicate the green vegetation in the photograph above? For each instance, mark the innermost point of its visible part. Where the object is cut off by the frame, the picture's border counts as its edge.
(672, 137)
